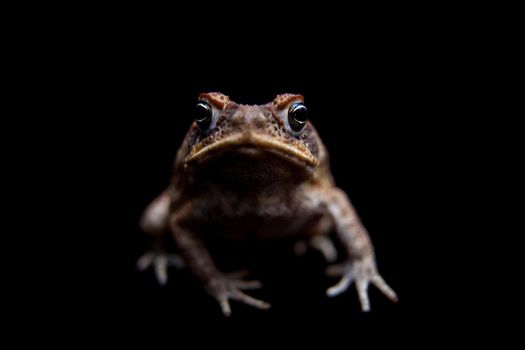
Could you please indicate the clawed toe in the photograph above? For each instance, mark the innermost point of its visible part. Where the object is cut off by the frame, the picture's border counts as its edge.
(248, 300)
(380, 284)
(340, 287)
(238, 295)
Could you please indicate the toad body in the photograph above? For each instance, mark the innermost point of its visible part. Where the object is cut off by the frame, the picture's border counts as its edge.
(261, 172)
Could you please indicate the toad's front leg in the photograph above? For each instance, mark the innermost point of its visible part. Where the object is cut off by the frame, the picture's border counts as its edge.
(360, 266)
(222, 286)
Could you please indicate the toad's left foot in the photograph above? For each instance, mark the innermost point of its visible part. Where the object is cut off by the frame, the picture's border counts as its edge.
(363, 272)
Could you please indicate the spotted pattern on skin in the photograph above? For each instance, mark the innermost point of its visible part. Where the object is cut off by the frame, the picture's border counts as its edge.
(200, 140)
(219, 100)
(282, 101)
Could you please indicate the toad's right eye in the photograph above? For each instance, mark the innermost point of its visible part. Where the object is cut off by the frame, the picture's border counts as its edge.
(203, 115)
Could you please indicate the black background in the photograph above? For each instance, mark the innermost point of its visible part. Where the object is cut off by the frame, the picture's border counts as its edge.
(385, 100)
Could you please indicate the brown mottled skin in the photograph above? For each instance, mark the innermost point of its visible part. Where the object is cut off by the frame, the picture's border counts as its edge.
(251, 175)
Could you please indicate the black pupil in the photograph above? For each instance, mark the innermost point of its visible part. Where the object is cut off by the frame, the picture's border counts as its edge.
(202, 112)
(203, 115)
(299, 113)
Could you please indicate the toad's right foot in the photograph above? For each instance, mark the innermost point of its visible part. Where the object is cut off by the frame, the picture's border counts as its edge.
(229, 286)
(160, 261)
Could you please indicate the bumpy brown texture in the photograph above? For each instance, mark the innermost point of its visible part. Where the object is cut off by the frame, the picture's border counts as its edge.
(250, 176)
(220, 100)
(281, 101)
(242, 121)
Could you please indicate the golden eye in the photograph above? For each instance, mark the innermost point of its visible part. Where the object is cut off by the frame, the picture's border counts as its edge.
(297, 116)
(203, 115)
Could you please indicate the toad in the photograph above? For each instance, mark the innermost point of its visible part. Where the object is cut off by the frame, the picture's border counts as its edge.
(258, 171)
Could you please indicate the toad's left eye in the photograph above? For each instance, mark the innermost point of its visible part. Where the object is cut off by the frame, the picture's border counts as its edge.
(297, 116)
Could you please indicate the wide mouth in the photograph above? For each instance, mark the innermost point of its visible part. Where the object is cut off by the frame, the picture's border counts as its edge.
(254, 146)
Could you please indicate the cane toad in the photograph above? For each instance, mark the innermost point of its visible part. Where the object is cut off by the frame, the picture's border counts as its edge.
(259, 171)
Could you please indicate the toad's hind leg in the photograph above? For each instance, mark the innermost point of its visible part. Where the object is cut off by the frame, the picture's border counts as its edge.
(323, 244)
(318, 240)
(155, 222)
